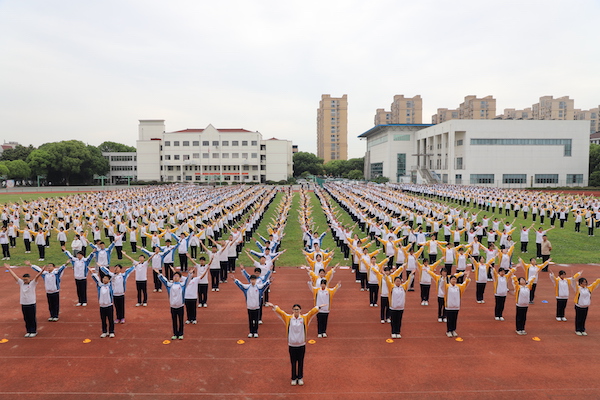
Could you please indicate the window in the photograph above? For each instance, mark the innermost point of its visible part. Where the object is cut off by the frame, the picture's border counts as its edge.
(169, 168)
(235, 155)
(546, 178)
(225, 155)
(255, 168)
(401, 164)
(236, 178)
(168, 157)
(376, 170)
(333, 156)
(168, 143)
(458, 179)
(186, 142)
(196, 143)
(246, 168)
(215, 155)
(254, 155)
(459, 142)
(170, 177)
(121, 168)
(567, 143)
(176, 143)
(574, 178)
(482, 178)
(196, 155)
(459, 163)
(215, 142)
(186, 157)
(514, 178)
(225, 143)
(254, 143)
(235, 143)
(254, 177)
(376, 141)
(188, 177)
(121, 158)
(205, 143)
(401, 138)
(205, 155)
(245, 155)
(198, 177)
(176, 157)
(244, 143)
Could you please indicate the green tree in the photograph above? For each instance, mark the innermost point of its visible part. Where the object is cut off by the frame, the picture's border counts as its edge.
(39, 162)
(18, 153)
(356, 163)
(594, 158)
(72, 161)
(3, 170)
(380, 179)
(17, 169)
(356, 174)
(336, 168)
(115, 147)
(307, 162)
(594, 179)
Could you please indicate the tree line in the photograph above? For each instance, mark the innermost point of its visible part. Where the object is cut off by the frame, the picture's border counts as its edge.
(62, 163)
(306, 164)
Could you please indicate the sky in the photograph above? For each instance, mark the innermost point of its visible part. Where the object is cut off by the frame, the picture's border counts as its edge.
(89, 70)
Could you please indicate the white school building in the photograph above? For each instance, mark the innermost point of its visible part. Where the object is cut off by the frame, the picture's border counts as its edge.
(210, 155)
(498, 153)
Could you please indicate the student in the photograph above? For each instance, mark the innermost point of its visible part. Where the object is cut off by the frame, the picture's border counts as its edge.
(323, 295)
(52, 277)
(500, 290)
(522, 290)
(191, 297)
(253, 293)
(531, 271)
(481, 273)
(27, 298)
(385, 282)
(397, 296)
(583, 299)
(4, 241)
(202, 273)
(317, 278)
(260, 279)
(425, 279)
(141, 278)
(373, 281)
(561, 285)
(105, 300)
(296, 325)
(80, 272)
(118, 280)
(452, 301)
(176, 291)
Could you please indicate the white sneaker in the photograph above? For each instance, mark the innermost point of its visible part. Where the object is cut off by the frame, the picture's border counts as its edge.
(582, 334)
(212, 290)
(78, 304)
(449, 334)
(324, 335)
(501, 318)
(426, 303)
(383, 321)
(445, 320)
(205, 305)
(34, 334)
(103, 335)
(159, 290)
(29, 334)
(187, 322)
(300, 382)
(564, 319)
(199, 305)
(454, 334)
(294, 382)
(138, 304)
(497, 318)
(375, 305)
(320, 335)
(51, 319)
(250, 335)
(389, 321)
(111, 335)
(145, 304)
(260, 322)
(370, 305)
(84, 305)
(256, 335)
(398, 336)
(440, 320)
(155, 290)
(194, 322)
(362, 290)
(558, 318)
(217, 289)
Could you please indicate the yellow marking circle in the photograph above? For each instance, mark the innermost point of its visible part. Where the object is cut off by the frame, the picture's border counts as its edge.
(459, 339)
(537, 339)
(389, 340)
(3, 340)
(312, 341)
(166, 342)
(87, 340)
(240, 341)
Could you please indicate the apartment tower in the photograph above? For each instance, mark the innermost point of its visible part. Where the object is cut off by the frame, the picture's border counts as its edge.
(332, 128)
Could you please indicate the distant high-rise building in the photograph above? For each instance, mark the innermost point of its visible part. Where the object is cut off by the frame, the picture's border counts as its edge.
(551, 108)
(472, 108)
(382, 117)
(591, 115)
(511, 113)
(332, 128)
(407, 110)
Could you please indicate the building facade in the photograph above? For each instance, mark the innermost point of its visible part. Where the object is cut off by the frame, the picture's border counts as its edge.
(382, 117)
(589, 115)
(499, 153)
(472, 107)
(210, 155)
(332, 128)
(123, 167)
(407, 110)
(561, 108)
(511, 113)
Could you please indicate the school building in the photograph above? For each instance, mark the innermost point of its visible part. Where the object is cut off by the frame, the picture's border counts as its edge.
(498, 153)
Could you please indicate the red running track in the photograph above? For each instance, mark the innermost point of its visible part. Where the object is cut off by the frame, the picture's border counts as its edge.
(355, 361)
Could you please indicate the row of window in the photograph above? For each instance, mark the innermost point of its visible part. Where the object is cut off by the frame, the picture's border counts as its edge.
(214, 167)
(212, 178)
(196, 143)
(123, 167)
(567, 143)
(123, 158)
(522, 178)
(168, 157)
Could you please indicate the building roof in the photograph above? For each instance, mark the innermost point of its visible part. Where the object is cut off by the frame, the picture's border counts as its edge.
(378, 128)
(595, 135)
(202, 130)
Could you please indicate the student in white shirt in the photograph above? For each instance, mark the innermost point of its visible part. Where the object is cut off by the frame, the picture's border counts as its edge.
(52, 277)
(119, 284)
(105, 301)
(202, 273)
(176, 291)
(253, 293)
(27, 299)
(583, 299)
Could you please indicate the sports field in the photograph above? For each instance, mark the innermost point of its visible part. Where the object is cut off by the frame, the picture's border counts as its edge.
(68, 359)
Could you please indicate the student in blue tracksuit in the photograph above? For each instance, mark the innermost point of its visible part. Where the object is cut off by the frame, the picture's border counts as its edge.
(260, 279)
(158, 263)
(119, 282)
(102, 253)
(105, 300)
(80, 272)
(253, 292)
(52, 277)
(176, 291)
(182, 245)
